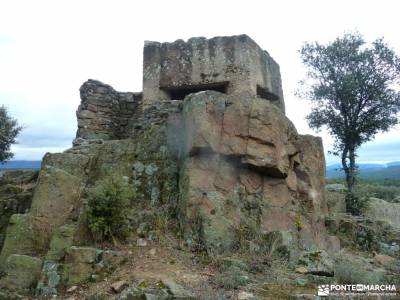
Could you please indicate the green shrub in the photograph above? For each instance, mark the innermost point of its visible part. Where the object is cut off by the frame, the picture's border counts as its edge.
(108, 209)
(356, 202)
(348, 272)
(388, 193)
(388, 190)
(154, 223)
(231, 278)
(245, 232)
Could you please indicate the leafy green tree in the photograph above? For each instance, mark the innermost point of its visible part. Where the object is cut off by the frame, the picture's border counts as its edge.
(353, 91)
(9, 130)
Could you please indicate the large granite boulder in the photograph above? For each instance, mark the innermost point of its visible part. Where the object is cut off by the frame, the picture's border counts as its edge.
(246, 171)
(56, 199)
(381, 210)
(247, 127)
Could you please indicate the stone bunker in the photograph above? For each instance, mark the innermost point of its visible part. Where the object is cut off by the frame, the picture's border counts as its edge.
(206, 146)
(231, 65)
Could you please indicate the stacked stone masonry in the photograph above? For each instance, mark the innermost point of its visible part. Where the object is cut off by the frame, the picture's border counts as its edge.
(105, 113)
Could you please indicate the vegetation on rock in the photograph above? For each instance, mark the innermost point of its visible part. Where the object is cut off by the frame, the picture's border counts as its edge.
(108, 209)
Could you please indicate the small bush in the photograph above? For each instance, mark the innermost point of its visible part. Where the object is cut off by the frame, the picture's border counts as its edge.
(273, 247)
(197, 243)
(388, 190)
(387, 193)
(108, 210)
(154, 223)
(356, 202)
(244, 234)
(347, 272)
(204, 292)
(232, 278)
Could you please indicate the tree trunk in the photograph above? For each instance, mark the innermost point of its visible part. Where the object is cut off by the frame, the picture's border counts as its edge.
(349, 167)
(345, 166)
(352, 170)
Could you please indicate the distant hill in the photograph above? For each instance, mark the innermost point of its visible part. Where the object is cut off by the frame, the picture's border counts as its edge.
(369, 171)
(394, 163)
(21, 165)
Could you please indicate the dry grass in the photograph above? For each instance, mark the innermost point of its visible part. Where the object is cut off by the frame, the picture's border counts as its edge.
(143, 267)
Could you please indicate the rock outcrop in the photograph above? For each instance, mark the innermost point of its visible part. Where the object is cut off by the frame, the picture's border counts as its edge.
(16, 191)
(225, 166)
(245, 168)
(22, 273)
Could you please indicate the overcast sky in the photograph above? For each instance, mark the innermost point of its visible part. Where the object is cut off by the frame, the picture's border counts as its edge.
(49, 48)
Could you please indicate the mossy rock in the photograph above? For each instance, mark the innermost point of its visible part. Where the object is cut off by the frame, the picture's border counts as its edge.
(113, 259)
(144, 161)
(50, 279)
(56, 200)
(81, 255)
(62, 239)
(19, 238)
(317, 263)
(22, 273)
(73, 163)
(76, 273)
(79, 264)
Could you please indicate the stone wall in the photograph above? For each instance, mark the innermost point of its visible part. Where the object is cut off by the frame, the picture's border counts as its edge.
(105, 113)
(232, 65)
